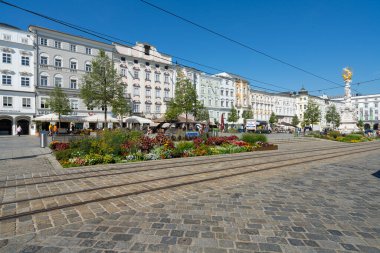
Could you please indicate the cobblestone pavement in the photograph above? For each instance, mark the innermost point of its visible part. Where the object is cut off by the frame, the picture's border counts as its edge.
(22, 155)
(326, 207)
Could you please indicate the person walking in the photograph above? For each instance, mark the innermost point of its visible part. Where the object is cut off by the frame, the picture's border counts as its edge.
(50, 129)
(55, 129)
(19, 130)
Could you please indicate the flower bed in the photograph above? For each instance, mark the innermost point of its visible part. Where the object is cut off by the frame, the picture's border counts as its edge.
(350, 138)
(121, 146)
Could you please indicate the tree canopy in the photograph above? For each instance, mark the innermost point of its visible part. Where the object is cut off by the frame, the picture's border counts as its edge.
(102, 87)
(185, 99)
(233, 116)
(59, 103)
(333, 116)
(273, 118)
(247, 114)
(312, 114)
(295, 120)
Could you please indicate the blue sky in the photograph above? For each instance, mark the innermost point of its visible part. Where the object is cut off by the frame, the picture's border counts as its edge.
(319, 36)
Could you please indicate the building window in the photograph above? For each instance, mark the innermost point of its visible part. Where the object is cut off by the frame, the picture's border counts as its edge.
(44, 103)
(136, 91)
(25, 81)
(158, 94)
(158, 108)
(157, 77)
(147, 76)
(73, 48)
(222, 103)
(43, 41)
(7, 37)
(58, 81)
(58, 63)
(209, 102)
(88, 67)
(26, 102)
(147, 108)
(166, 94)
(123, 71)
(88, 50)
(7, 80)
(147, 92)
(7, 58)
(122, 59)
(44, 60)
(226, 92)
(73, 84)
(232, 93)
(73, 65)
(226, 103)
(44, 81)
(136, 108)
(166, 78)
(25, 60)
(136, 74)
(7, 101)
(74, 104)
(57, 44)
(221, 92)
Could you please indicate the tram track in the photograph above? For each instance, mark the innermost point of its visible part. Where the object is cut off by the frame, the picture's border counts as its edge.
(156, 184)
(144, 167)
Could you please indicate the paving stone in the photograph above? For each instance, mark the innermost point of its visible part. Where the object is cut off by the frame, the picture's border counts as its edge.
(50, 250)
(122, 237)
(246, 246)
(87, 235)
(270, 247)
(169, 240)
(31, 249)
(138, 247)
(295, 242)
(184, 241)
(368, 249)
(105, 245)
(350, 247)
(177, 233)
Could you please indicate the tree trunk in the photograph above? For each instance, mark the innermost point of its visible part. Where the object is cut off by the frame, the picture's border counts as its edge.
(59, 120)
(186, 123)
(105, 117)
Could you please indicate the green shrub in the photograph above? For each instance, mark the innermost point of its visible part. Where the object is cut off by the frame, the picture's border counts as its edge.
(253, 138)
(133, 135)
(352, 137)
(233, 130)
(184, 145)
(334, 134)
(63, 154)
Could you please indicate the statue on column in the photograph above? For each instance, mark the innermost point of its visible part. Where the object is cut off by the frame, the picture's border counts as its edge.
(348, 114)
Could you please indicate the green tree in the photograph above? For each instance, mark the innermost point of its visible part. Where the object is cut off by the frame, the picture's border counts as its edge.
(273, 118)
(247, 114)
(233, 116)
(333, 116)
(121, 107)
(360, 124)
(172, 111)
(102, 87)
(295, 120)
(203, 114)
(312, 113)
(59, 103)
(185, 99)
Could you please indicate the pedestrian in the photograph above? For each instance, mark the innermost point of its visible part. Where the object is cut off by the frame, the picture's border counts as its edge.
(19, 130)
(55, 129)
(50, 129)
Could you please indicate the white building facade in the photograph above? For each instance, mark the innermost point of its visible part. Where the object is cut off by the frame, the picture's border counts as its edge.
(17, 92)
(61, 61)
(367, 109)
(149, 77)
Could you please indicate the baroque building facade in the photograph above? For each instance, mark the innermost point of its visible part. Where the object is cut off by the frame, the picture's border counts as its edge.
(17, 93)
(367, 109)
(149, 77)
(61, 61)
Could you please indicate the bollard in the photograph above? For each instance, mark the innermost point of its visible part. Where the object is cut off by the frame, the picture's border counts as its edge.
(43, 140)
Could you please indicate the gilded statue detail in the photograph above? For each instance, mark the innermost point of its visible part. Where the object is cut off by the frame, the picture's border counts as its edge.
(347, 74)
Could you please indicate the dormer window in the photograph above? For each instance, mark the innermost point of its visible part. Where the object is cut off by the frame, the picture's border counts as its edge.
(122, 59)
(135, 61)
(147, 49)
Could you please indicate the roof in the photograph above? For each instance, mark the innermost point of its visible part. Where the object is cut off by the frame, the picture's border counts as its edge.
(9, 26)
(105, 44)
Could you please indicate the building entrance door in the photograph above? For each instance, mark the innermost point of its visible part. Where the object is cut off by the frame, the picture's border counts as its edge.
(5, 127)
